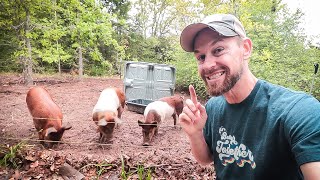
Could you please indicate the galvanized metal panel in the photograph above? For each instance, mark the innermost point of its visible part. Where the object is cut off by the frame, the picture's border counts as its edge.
(148, 81)
(136, 75)
(163, 80)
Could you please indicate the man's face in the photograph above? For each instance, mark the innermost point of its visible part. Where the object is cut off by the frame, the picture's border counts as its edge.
(220, 61)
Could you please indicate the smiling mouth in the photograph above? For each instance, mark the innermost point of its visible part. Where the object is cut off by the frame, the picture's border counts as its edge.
(216, 75)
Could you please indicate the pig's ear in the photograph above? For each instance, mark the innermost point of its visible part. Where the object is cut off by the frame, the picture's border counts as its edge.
(155, 124)
(117, 120)
(67, 127)
(50, 130)
(140, 123)
(102, 122)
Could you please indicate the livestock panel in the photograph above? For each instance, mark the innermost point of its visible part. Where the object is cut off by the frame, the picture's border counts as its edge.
(147, 82)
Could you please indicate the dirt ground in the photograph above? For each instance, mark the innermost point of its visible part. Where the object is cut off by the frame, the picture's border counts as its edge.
(169, 157)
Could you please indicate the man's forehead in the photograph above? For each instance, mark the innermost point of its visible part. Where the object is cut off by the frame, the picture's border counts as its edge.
(208, 37)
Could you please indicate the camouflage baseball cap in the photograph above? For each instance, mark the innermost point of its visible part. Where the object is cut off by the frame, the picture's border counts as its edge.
(224, 24)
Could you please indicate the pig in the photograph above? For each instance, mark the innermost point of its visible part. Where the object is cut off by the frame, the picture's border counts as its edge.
(107, 112)
(47, 115)
(158, 111)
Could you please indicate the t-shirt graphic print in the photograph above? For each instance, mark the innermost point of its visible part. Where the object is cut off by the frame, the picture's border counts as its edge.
(231, 151)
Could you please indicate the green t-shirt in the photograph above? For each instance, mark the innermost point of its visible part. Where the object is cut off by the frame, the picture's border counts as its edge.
(266, 136)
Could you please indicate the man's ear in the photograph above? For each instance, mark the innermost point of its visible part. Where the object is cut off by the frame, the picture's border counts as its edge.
(247, 47)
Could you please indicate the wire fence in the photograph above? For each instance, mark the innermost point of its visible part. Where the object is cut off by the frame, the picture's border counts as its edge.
(33, 138)
(122, 121)
(77, 121)
(122, 145)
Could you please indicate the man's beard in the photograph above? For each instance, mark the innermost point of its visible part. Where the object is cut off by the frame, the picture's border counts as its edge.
(228, 83)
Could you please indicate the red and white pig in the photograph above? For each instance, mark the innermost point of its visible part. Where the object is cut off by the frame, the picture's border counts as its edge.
(107, 112)
(47, 116)
(157, 112)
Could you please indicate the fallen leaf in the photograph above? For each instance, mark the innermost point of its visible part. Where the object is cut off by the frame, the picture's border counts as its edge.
(39, 176)
(34, 164)
(52, 167)
(17, 174)
(30, 158)
(4, 172)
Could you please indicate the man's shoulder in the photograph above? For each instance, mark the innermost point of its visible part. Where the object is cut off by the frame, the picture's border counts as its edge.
(285, 96)
(280, 91)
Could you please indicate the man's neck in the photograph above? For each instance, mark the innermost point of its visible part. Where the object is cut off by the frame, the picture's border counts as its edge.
(242, 88)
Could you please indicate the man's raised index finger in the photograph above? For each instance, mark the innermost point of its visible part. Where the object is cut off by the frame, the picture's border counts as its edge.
(193, 95)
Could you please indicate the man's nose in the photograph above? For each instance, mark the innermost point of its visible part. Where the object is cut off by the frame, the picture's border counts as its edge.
(209, 62)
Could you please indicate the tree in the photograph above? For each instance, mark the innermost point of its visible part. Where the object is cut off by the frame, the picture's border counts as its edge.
(117, 7)
(90, 28)
(153, 28)
(19, 18)
(280, 53)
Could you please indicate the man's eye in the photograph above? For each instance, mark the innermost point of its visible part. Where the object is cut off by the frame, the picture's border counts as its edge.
(201, 58)
(217, 51)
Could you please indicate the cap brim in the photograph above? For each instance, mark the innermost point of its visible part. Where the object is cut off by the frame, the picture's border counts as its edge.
(190, 32)
(188, 35)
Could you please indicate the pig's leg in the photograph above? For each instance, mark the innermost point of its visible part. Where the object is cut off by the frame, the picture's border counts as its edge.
(156, 131)
(120, 111)
(174, 115)
(100, 137)
(42, 134)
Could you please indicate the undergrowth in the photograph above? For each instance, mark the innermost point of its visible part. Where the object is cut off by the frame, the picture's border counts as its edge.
(11, 156)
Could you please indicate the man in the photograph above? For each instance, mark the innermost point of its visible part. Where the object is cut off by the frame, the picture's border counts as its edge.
(252, 129)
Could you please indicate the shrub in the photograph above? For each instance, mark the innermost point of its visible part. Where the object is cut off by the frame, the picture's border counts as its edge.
(187, 73)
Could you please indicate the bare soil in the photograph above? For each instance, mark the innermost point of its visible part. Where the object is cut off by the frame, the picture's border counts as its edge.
(169, 157)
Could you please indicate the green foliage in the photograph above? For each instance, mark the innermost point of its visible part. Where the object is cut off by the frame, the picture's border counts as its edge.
(57, 29)
(11, 156)
(8, 45)
(91, 29)
(118, 7)
(107, 34)
(100, 168)
(143, 174)
(281, 54)
(187, 74)
(141, 171)
(150, 30)
(124, 174)
(156, 50)
(103, 69)
(149, 174)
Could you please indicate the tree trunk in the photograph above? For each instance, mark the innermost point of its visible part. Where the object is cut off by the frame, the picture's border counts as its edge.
(59, 63)
(28, 60)
(57, 42)
(80, 63)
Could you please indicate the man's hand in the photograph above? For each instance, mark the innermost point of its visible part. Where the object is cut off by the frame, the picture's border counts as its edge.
(193, 116)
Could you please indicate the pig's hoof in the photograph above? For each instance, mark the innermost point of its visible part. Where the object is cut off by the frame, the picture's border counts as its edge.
(145, 144)
(105, 141)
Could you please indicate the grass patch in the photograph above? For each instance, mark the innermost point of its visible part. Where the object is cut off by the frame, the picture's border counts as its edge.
(11, 156)
(124, 174)
(100, 168)
(143, 173)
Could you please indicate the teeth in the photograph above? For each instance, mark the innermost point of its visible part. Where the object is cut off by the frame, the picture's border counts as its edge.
(217, 75)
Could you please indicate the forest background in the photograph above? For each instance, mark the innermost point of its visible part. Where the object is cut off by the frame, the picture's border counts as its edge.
(96, 37)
